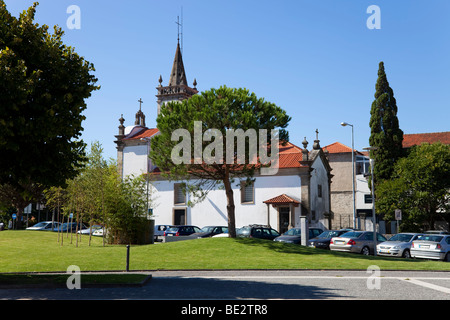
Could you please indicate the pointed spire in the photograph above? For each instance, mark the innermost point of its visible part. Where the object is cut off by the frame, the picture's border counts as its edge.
(178, 76)
(121, 127)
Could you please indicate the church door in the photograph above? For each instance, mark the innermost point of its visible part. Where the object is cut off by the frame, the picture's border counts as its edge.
(283, 219)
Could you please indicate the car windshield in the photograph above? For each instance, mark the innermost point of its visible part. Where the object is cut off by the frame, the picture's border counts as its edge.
(430, 237)
(293, 232)
(328, 234)
(40, 224)
(352, 234)
(401, 237)
(207, 229)
(172, 229)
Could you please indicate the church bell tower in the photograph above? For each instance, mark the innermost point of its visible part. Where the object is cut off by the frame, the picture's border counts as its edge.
(177, 89)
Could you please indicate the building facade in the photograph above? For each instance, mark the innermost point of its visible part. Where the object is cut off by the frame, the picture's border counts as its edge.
(301, 187)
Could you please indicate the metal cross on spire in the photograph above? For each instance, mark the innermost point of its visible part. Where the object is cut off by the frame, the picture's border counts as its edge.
(180, 24)
(140, 103)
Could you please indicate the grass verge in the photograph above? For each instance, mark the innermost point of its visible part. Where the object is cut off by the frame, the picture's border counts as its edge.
(35, 251)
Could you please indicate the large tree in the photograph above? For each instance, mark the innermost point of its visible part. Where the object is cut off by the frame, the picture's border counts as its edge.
(203, 123)
(43, 87)
(385, 133)
(419, 186)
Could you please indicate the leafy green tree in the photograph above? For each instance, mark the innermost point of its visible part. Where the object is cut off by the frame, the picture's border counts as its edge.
(420, 187)
(19, 196)
(98, 195)
(385, 133)
(214, 114)
(125, 204)
(56, 198)
(43, 85)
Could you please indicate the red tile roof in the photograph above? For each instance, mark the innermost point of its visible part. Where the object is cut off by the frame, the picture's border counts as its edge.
(145, 133)
(282, 199)
(289, 156)
(410, 140)
(338, 147)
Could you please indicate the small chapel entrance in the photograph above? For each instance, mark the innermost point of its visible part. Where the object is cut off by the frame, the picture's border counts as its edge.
(283, 219)
(285, 206)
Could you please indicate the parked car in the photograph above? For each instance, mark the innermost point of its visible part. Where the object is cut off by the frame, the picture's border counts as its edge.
(210, 231)
(398, 245)
(356, 242)
(159, 231)
(69, 226)
(99, 232)
(437, 232)
(322, 241)
(44, 226)
(294, 235)
(181, 231)
(222, 235)
(95, 227)
(431, 246)
(257, 231)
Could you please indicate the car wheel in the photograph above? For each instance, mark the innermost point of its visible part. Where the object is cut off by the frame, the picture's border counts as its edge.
(406, 254)
(447, 257)
(365, 251)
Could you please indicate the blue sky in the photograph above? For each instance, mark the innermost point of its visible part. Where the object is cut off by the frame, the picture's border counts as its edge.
(315, 59)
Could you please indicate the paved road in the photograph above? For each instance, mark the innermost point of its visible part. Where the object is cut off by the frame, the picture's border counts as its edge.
(231, 285)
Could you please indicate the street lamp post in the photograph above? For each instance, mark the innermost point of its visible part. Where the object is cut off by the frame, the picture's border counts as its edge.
(344, 124)
(374, 222)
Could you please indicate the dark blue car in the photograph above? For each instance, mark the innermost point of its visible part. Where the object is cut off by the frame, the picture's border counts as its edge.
(70, 226)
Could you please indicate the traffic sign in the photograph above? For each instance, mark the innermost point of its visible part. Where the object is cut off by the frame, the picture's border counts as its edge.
(398, 214)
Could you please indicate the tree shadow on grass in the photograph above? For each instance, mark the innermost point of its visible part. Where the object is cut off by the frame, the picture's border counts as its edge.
(290, 248)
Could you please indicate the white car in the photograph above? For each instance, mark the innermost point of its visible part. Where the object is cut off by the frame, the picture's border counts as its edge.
(398, 245)
(98, 232)
(431, 246)
(44, 226)
(88, 230)
(221, 235)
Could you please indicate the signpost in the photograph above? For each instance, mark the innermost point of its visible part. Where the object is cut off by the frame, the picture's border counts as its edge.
(398, 217)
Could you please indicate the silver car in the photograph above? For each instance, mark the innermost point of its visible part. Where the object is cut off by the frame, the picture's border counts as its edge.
(356, 242)
(431, 246)
(45, 226)
(398, 245)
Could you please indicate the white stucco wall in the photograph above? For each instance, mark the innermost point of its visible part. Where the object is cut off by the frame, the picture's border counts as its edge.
(135, 158)
(361, 189)
(213, 210)
(319, 204)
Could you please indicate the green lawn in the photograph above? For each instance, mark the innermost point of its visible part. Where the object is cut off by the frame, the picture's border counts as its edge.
(33, 251)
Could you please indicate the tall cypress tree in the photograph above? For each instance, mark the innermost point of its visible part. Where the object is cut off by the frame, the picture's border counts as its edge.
(385, 133)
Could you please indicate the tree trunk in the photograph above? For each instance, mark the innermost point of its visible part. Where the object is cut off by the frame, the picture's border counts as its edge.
(230, 205)
(19, 218)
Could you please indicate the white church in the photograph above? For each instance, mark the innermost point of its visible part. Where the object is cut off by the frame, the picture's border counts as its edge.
(299, 190)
